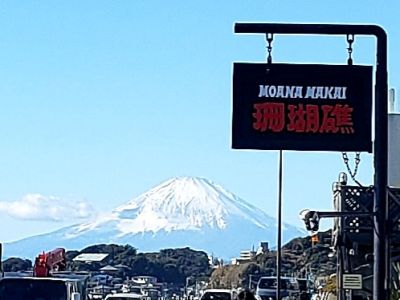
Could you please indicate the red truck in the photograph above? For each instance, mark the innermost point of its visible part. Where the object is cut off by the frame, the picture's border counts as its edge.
(47, 282)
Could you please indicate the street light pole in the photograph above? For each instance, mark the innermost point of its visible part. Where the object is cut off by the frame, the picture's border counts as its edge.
(279, 238)
(381, 249)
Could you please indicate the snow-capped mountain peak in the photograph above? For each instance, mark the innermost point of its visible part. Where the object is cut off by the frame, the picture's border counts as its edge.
(180, 212)
(178, 204)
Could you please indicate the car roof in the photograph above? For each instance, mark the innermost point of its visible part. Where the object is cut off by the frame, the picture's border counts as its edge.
(282, 277)
(218, 290)
(126, 295)
(39, 279)
(55, 277)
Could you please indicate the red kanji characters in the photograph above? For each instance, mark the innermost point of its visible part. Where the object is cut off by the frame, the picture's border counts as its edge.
(303, 120)
(296, 115)
(269, 116)
(328, 121)
(335, 118)
(312, 118)
(343, 115)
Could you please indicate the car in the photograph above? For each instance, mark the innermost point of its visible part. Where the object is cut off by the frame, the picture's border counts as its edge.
(306, 288)
(22, 286)
(125, 296)
(217, 294)
(266, 288)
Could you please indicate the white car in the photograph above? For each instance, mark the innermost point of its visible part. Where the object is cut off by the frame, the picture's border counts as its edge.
(266, 288)
(125, 296)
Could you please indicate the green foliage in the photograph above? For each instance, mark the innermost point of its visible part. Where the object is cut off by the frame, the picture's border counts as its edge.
(16, 264)
(168, 265)
(298, 258)
(174, 266)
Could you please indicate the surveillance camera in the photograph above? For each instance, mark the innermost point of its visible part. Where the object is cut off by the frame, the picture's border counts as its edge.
(304, 213)
(311, 219)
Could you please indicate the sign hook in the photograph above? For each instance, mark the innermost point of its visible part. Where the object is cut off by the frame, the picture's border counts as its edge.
(350, 41)
(269, 37)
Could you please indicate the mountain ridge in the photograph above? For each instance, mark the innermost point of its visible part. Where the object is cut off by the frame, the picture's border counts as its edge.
(179, 212)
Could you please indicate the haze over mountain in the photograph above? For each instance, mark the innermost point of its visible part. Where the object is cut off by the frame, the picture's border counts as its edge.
(180, 212)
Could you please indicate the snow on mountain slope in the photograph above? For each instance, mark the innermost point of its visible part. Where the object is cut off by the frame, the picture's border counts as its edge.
(185, 211)
(184, 203)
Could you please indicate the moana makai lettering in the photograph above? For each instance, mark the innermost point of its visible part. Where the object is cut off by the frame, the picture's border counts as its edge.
(302, 92)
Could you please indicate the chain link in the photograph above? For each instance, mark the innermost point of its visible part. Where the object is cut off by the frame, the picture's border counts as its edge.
(269, 38)
(350, 41)
(357, 161)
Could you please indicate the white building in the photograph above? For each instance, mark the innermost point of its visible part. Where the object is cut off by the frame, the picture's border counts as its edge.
(144, 280)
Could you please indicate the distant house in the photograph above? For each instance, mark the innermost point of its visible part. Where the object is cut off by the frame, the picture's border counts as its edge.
(263, 248)
(215, 262)
(245, 256)
(149, 286)
(144, 280)
(109, 269)
(121, 266)
(249, 255)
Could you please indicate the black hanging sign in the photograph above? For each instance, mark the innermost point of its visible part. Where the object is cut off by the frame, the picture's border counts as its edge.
(302, 107)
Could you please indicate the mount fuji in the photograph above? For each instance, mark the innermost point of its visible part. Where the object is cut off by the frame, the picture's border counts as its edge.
(180, 212)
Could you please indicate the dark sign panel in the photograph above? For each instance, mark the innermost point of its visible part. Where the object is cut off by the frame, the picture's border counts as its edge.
(302, 107)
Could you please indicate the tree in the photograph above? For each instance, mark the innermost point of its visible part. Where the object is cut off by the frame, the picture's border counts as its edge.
(17, 264)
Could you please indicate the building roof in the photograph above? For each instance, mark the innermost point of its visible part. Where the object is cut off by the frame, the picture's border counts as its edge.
(121, 266)
(90, 257)
(125, 295)
(108, 268)
(24, 277)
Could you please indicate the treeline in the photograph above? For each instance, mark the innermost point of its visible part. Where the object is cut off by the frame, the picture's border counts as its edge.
(299, 258)
(169, 265)
(15, 264)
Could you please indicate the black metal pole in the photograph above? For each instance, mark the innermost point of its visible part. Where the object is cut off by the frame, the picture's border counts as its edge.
(323, 29)
(381, 269)
(340, 275)
(279, 238)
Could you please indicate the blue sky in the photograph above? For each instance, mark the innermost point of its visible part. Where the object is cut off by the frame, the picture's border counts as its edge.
(102, 100)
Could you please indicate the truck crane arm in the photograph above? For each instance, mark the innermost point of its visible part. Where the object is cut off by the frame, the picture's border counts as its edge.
(53, 260)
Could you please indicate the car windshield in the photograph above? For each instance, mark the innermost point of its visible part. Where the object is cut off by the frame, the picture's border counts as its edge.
(29, 289)
(216, 296)
(271, 283)
(303, 284)
(135, 290)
